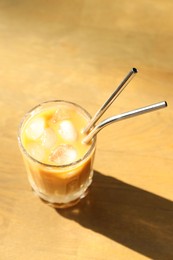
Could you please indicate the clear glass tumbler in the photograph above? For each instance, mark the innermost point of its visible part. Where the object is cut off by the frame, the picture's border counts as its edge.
(63, 185)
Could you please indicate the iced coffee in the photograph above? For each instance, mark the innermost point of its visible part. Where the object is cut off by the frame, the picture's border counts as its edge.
(59, 164)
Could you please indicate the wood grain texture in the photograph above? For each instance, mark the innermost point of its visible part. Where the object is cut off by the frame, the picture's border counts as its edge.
(80, 51)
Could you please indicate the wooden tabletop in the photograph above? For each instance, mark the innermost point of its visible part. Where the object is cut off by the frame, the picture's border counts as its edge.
(80, 51)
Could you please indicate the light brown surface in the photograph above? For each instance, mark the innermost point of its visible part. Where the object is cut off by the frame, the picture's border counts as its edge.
(80, 51)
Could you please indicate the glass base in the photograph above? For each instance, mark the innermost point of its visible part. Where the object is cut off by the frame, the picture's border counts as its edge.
(62, 205)
(66, 200)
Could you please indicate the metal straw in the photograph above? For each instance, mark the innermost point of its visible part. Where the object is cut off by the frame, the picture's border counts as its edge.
(110, 100)
(123, 116)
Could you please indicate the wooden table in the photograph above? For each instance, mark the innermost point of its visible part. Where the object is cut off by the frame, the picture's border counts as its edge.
(80, 51)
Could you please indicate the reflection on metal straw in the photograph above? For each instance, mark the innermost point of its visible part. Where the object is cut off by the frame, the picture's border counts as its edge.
(111, 99)
(123, 116)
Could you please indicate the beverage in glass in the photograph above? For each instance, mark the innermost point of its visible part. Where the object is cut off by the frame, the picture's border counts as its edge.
(59, 164)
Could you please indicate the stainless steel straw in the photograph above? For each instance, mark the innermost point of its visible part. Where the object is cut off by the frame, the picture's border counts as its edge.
(111, 99)
(123, 116)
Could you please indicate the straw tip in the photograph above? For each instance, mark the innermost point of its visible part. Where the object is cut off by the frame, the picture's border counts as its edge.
(134, 70)
(166, 104)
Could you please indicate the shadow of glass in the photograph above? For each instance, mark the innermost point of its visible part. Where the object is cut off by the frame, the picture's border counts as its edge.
(128, 215)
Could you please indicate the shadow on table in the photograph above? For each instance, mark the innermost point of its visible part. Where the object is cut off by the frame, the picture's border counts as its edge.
(128, 215)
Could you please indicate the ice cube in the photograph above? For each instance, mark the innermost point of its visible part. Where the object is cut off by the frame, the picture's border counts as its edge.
(35, 128)
(36, 151)
(64, 154)
(48, 138)
(59, 115)
(67, 130)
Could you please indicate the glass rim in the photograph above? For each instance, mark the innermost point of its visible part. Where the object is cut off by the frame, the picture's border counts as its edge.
(29, 113)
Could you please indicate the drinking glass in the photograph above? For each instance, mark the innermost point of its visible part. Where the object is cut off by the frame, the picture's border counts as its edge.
(60, 186)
